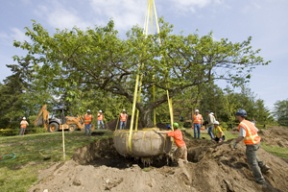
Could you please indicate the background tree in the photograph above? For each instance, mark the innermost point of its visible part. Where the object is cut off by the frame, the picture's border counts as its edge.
(13, 93)
(281, 112)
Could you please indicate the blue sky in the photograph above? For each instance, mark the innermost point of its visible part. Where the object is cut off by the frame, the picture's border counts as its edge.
(265, 20)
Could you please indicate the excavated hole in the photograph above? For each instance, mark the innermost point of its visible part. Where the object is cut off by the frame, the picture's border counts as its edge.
(103, 152)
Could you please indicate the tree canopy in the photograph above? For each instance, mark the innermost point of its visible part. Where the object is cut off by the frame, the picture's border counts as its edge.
(82, 66)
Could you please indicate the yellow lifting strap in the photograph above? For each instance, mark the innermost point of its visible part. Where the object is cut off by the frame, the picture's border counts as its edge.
(150, 16)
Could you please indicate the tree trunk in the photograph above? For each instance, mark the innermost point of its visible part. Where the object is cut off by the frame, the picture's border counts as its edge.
(145, 118)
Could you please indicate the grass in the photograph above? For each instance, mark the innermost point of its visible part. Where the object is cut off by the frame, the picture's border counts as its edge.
(276, 150)
(33, 153)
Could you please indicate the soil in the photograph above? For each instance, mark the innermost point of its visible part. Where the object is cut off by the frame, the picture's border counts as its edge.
(211, 167)
(275, 136)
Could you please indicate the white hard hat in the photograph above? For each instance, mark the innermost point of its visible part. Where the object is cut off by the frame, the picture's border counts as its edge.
(216, 123)
(123, 110)
(24, 118)
(100, 111)
(88, 111)
(196, 111)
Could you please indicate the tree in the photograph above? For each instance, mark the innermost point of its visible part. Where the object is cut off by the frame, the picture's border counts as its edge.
(12, 98)
(76, 61)
(281, 112)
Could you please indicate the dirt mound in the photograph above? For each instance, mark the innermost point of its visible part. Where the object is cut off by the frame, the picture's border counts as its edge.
(275, 136)
(211, 167)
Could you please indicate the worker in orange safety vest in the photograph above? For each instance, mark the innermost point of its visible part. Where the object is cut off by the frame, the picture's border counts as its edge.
(123, 119)
(88, 118)
(100, 118)
(23, 126)
(248, 133)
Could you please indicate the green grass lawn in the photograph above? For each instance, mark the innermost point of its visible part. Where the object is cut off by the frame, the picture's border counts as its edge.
(23, 157)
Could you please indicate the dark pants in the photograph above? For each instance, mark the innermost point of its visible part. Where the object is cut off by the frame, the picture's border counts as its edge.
(254, 163)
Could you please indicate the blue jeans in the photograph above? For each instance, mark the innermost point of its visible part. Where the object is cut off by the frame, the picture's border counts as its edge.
(210, 132)
(197, 129)
(122, 124)
(100, 122)
(87, 129)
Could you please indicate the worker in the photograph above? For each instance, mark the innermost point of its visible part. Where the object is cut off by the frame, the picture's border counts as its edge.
(123, 119)
(100, 118)
(23, 126)
(219, 135)
(211, 119)
(88, 121)
(248, 133)
(197, 123)
(181, 151)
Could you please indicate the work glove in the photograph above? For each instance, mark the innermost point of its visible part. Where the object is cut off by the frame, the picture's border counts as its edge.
(234, 144)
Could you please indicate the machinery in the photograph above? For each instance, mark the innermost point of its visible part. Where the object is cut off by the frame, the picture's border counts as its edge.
(57, 120)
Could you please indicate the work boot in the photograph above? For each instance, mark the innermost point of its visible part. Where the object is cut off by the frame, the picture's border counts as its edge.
(265, 168)
(261, 181)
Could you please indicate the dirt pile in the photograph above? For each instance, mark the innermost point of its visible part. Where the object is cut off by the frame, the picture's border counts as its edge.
(211, 167)
(275, 136)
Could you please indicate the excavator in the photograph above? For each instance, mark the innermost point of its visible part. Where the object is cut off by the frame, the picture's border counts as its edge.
(52, 123)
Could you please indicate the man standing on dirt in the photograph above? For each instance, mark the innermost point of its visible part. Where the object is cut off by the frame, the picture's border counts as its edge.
(23, 126)
(88, 121)
(123, 119)
(181, 151)
(100, 118)
(197, 123)
(248, 133)
(211, 119)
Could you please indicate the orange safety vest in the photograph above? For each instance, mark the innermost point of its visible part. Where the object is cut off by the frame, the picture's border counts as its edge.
(197, 119)
(251, 137)
(100, 117)
(88, 119)
(123, 117)
(23, 124)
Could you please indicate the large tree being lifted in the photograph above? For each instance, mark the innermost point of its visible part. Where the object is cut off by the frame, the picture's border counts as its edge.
(97, 59)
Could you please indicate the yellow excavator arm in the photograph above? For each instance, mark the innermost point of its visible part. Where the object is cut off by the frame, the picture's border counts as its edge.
(43, 116)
